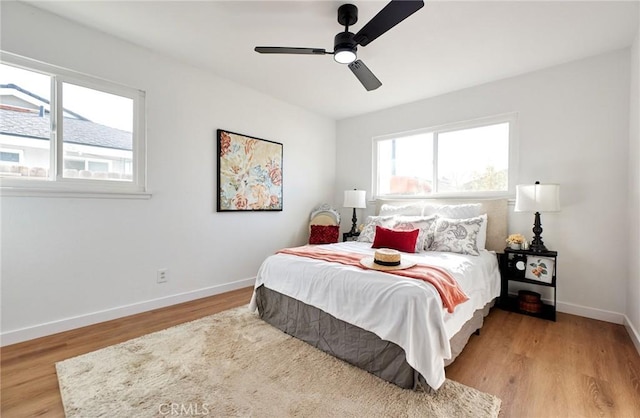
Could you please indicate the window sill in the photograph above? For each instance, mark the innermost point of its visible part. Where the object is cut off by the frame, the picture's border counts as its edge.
(87, 194)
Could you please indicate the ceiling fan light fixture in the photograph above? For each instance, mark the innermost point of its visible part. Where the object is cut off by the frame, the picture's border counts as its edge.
(345, 56)
(345, 44)
(344, 48)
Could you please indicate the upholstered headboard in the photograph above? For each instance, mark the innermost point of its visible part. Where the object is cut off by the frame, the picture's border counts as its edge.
(496, 210)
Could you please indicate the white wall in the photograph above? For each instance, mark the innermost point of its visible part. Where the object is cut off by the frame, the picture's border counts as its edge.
(633, 290)
(573, 129)
(70, 261)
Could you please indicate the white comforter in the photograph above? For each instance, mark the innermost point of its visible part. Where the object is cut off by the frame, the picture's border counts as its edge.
(406, 311)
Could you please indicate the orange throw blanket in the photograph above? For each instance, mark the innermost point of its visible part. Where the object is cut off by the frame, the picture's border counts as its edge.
(445, 284)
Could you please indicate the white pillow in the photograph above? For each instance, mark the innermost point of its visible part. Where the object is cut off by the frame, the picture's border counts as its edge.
(457, 235)
(368, 233)
(424, 223)
(411, 209)
(462, 211)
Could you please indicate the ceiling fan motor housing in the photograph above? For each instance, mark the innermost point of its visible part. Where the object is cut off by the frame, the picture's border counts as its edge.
(344, 40)
(344, 48)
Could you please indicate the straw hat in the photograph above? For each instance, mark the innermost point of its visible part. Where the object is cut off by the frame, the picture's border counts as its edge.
(386, 259)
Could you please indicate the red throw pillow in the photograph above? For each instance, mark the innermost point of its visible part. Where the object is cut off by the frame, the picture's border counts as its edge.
(324, 234)
(404, 241)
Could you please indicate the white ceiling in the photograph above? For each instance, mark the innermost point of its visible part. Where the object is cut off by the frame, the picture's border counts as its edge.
(445, 46)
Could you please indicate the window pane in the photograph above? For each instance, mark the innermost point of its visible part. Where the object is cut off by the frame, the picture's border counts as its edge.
(405, 165)
(475, 159)
(10, 156)
(97, 129)
(98, 166)
(74, 164)
(25, 125)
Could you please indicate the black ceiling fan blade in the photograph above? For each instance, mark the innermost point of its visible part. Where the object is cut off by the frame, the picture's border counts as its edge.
(288, 50)
(364, 74)
(392, 14)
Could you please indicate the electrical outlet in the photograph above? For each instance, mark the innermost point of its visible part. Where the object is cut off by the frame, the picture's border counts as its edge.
(163, 275)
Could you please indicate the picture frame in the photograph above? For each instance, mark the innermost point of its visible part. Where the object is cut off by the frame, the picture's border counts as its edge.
(249, 175)
(541, 269)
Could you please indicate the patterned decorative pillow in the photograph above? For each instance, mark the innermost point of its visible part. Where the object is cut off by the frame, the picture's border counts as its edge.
(404, 241)
(426, 225)
(324, 234)
(457, 235)
(369, 231)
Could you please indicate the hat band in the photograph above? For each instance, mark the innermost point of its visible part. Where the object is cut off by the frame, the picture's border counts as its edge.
(386, 263)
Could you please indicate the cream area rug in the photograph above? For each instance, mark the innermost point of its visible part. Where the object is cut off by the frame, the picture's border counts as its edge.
(233, 364)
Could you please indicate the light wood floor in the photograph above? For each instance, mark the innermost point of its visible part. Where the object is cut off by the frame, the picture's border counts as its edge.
(575, 367)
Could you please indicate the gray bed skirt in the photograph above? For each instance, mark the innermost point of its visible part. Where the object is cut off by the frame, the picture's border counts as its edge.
(350, 343)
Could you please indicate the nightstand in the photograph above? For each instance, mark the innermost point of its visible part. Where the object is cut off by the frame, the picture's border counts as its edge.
(348, 236)
(533, 267)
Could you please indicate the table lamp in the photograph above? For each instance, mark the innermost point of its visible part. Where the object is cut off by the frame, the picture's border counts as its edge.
(537, 198)
(355, 199)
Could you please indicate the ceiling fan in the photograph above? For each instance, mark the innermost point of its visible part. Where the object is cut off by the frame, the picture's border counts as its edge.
(346, 43)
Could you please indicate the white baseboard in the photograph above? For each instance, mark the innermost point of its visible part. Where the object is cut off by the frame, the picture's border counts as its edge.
(593, 313)
(587, 312)
(633, 333)
(54, 327)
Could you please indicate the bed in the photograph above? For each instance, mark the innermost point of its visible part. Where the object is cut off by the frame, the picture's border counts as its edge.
(391, 326)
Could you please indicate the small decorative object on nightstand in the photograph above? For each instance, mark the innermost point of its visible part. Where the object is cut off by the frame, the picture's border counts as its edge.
(515, 241)
(533, 267)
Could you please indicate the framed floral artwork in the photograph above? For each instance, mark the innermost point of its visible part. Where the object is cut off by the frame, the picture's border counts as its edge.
(540, 269)
(249, 173)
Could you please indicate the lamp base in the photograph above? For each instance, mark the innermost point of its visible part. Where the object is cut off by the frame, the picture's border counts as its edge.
(354, 221)
(537, 248)
(536, 244)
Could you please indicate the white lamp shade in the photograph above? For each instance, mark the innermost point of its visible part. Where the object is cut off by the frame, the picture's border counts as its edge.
(537, 198)
(355, 199)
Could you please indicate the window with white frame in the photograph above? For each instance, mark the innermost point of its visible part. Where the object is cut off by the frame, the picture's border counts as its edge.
(61, 130)
(10, 156)
(470, 158)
